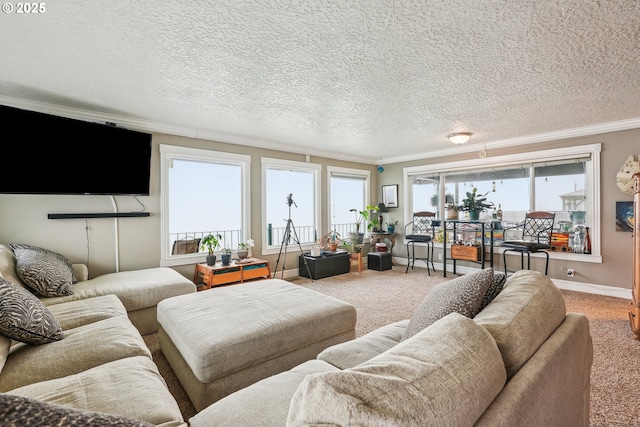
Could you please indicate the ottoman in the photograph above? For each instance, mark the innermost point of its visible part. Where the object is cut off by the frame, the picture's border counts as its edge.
(379, 261)
(224, 339)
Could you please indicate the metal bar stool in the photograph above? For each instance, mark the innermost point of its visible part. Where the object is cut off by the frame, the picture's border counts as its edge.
(536, 238)
(420, 230)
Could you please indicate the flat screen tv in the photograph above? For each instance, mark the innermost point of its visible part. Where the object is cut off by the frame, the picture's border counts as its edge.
(47, 154)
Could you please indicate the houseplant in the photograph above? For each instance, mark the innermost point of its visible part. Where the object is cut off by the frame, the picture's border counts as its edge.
(331, 239)
(244, 248)
(391, 226)
(226, 256)
(362, 216)
(475, 203)
(211, 242)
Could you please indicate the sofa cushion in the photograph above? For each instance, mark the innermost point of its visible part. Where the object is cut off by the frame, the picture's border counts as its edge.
(73, 314)
(24, 318)
(264, 403)
(22, 411)
(8, 266)
(83, 348)
(48, 273)
(131, 386)
(450, 371)
(137, 289)
(522, 316)
(351, 353)
(5, 345)
(461, 295)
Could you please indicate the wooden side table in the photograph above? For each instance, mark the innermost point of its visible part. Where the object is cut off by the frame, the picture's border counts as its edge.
(356, 260)
(208, 276)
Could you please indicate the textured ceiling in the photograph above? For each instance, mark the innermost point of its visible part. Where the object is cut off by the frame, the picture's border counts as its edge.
(378, 80)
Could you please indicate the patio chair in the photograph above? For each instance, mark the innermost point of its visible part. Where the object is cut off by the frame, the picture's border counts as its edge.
(185, 246)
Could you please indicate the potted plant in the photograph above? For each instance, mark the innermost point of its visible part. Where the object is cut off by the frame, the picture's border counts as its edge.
(332, 239)
(475, 203)
(362, 216)
(226, 256)
(243, 248)
(452, 210)
(211, 242)
(391, 226)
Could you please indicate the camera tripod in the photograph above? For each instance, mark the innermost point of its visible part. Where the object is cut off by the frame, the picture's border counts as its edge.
(286, 238)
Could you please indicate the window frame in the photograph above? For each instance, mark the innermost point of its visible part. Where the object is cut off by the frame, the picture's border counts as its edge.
(348, 172)
(168, 153)
(592, 185)
(316, 170)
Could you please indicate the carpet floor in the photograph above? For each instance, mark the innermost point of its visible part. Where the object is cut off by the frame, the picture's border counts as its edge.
(382, 297)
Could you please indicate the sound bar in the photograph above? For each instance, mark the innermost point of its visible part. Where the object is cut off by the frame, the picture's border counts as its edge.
(97, 215)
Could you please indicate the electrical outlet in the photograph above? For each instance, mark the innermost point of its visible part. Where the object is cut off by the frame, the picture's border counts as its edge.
(571, 272)
(439, 257)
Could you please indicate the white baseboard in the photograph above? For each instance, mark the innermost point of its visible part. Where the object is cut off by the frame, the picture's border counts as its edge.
(589, 288)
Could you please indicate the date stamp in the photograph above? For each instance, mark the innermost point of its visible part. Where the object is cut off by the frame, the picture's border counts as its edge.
(24, 8)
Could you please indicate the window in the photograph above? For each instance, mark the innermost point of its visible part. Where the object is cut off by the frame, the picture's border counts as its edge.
(563, 181)
(290, 191)
(202, 192)
(348, 189)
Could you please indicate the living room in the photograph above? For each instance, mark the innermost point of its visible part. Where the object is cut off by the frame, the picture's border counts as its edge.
(376, 89)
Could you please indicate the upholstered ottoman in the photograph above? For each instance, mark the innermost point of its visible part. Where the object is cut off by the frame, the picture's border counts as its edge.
(224, 339)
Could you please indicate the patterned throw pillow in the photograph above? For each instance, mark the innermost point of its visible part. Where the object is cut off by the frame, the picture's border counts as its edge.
(461, 295)
(48, 273)
(21, 411)
(499, 280)
(24, 318)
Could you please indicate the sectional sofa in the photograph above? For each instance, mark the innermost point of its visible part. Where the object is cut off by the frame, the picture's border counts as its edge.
(520, 360)
(71, 348)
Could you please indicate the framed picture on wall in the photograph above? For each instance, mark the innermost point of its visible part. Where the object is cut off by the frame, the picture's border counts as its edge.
(390, 195)
(624, 216)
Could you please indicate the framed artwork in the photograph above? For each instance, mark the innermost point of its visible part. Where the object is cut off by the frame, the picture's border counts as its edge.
(390, 195)
(624, 216)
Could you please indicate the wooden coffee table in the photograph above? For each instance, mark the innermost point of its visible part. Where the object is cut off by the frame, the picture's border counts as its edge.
(208, 276)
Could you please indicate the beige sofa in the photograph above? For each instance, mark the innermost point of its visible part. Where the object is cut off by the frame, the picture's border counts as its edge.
(139, 290)
(79, 358)
(101, 366)
(520, 361)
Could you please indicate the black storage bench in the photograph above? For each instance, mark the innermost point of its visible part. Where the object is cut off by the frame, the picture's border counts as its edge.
(379, 261)
(324, 265)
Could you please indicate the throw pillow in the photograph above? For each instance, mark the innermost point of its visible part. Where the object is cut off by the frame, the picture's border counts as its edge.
(446, 374)
(24, 318)
(499, 280)
(461, 295)
(22, 411)
(48, 273)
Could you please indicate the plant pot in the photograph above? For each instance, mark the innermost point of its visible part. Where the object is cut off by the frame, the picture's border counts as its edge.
(360, 238)
(333, 247)
(243, 253)
(452, 214)
(474, 215)
(391, 229)
(226, 259)
(211, 259)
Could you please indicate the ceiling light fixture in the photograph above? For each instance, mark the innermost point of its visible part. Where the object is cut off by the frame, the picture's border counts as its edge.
(459, 138)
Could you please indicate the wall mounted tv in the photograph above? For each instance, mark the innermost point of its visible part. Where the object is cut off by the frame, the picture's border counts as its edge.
(47, 154)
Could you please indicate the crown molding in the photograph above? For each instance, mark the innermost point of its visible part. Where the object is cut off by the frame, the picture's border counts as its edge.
(523, 140)
(177, 130)
(189, 132)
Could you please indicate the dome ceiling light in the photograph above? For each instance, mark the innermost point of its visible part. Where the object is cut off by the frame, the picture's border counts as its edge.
(459, 138)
